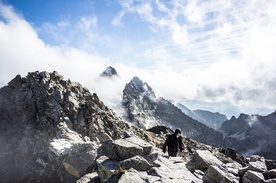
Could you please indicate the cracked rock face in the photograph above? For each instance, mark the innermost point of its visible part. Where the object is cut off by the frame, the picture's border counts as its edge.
(50, 128)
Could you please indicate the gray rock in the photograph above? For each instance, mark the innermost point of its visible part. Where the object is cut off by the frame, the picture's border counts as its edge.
(132, 177)
(270, 174)
(253, 177)
(257, 163)
(122, 149)
(89, 178)
(232, 168)
(270, 181)
(172, 170)
(55, 133)
(137, 162)
(106, 167)
(202, 160)
(216, 174)
(199, 174)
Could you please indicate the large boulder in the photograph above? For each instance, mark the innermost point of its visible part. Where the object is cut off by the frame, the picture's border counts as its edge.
(256, 163)
(270, 174)
(218, 174)
(122, 149)
(253, 177)
(171, 169)
(106, 167)
(201, 160)
(137, 162)
(89, 178)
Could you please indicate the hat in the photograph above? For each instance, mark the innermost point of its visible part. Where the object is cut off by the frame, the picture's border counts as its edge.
(177, 131)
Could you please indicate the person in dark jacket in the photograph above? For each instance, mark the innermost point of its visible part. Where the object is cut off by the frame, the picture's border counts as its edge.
(174, 141)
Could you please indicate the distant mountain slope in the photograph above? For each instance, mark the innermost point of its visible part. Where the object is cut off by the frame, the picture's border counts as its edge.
(211, 119)
(145, 110)
(255, 134)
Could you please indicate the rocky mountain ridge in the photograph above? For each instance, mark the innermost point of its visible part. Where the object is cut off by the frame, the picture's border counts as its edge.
(49, 125)
(55, 130)
(255, 134)
(248, 134)
(145, 110)
(211, 119)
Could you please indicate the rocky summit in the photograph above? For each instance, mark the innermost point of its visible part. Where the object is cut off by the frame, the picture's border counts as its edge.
(55, 130)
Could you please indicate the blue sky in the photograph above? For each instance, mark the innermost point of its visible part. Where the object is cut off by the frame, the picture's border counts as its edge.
(214, 55)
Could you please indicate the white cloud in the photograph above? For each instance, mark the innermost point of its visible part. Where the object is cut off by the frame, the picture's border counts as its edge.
(22, 51)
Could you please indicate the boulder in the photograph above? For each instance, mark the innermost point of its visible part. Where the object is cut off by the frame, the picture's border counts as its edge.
(172, 170)
(106, 167)
(89, 178)
(270, 181)
(217, 174)
(270, 174)
(253, 177)
(137, 162)
(201, 160)
(122, 149)
(199, 174)
(270, 164)
(257, 163)
(132, 177)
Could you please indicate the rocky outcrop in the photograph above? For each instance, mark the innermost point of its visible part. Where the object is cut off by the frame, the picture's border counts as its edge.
(51, 128)
(148, 167)
(157, 167)
(54, 130)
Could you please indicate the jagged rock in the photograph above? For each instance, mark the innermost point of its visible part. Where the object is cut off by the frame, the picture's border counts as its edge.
(106, 167)
(122, 149)
(270, 164)
(89, 178)
(132, 177)
(202, 160)
(216, 174)
(234, 156)
(270, 181)
(172, 170)
(56, 130)
(160, 129)
(270, 174)
(256, 163)
(253, 177)
(137, 162)
(199, 174)
(232, 168)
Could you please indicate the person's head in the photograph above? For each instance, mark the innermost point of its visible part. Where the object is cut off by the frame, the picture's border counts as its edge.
(177, 132)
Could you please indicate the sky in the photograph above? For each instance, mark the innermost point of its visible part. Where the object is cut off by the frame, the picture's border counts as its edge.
(206, 54)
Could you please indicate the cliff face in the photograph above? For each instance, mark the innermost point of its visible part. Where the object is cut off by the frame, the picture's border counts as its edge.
(144, 109)
(50, 128)
(254, 133)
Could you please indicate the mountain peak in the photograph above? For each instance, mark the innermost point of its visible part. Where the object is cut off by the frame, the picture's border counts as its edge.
(109, 72)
